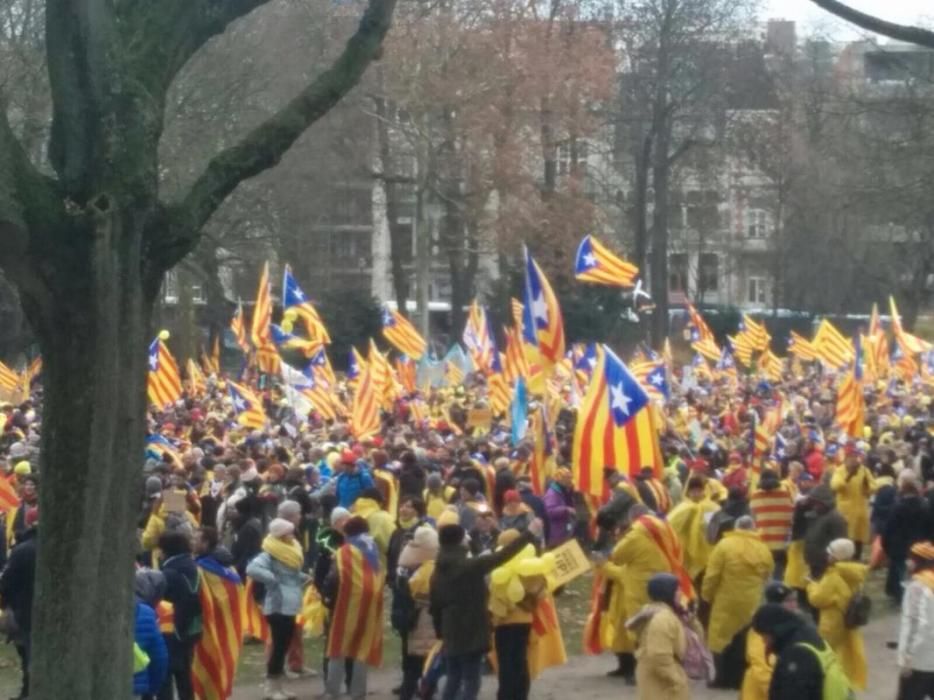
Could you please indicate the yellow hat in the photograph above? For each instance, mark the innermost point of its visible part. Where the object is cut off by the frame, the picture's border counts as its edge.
(448, 517)
(22, 468)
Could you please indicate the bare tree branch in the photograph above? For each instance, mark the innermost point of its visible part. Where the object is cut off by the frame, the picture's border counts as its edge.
(170, 32)
(265, 145)
(899, 32)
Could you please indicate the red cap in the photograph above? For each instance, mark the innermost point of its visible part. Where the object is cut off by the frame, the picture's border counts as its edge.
(348, 457)
(358, 451)
(698, 465)
(512, 496)
(377, 441)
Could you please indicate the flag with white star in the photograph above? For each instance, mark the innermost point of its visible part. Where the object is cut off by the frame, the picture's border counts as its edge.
(542, 322)
(615, 426)
(247, 405)
(597, 263)
(164, 383)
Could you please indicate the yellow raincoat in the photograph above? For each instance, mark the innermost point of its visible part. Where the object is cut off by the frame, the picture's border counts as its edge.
(739, 566)
(853, 500)
(381, 523)
(659, 673)
(638, 559)
(831, 596)
(613, 635)
(796, 571)
(689, 521)
(759, 667)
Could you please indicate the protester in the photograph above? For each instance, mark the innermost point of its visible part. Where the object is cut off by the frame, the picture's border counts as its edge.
(831, 596)
(181, 591)
(772, 508)
(759, 663)
(739, 566)
(853, 485)
(661, 643)
(411, 599)
(559, 504)
(17, 588)
(906, 524)
(355, 584)
(149, 587)
(459, 598)
(915, 658)
(279, 568)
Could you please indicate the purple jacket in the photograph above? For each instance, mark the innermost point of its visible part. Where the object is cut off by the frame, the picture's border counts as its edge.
(559, 504)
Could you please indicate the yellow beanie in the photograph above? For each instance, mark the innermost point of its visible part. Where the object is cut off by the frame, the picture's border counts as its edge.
(22, 468)
(448, 517)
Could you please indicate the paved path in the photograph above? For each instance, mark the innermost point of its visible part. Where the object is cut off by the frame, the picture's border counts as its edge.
(582, 678)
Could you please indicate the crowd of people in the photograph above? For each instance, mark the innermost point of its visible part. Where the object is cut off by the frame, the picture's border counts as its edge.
(736, 565)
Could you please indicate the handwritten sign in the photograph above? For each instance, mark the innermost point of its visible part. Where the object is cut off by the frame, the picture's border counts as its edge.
(174, 501)
(481, 418)
(570, 562)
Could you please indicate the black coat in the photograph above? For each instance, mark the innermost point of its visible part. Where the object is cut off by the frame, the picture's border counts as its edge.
(411, 481)
(248, 542)
(798, 674)
(908, 523)
(181, 590)
(459, 595)
(17, 584)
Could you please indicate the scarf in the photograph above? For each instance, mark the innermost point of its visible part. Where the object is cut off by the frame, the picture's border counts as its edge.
(289, 555)
(409, 524)
(926, 577)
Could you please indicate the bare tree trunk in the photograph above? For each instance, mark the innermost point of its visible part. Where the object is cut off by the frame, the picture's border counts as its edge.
(94, 409)
(641, 205)
(661, 177)
(397, 242)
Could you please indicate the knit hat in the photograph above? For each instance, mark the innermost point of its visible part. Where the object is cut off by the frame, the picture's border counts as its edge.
(17, 450)
(777, 592)
(423, 547)
(822, 494)
(338, 515)
(289, 510)
(279, 528)
(663, 588)
(448, 517)
(841, 549)
(153, 486)
(22, 468)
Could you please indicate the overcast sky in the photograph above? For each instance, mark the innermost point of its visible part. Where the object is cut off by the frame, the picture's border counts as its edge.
(815, 19)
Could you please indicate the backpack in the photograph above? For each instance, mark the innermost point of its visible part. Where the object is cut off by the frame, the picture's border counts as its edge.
(836, 683)
(857, 611)
(697, 661)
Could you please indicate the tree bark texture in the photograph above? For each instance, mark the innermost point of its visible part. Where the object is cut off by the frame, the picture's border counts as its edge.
(87, 251)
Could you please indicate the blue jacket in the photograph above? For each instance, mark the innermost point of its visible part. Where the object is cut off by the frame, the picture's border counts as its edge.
(350, 486)
(146, 633)
(284, 586)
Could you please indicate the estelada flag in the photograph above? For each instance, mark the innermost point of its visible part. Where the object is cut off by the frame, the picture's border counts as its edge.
(223, 607)
(615, 426)
(357, 620)
(597, 263)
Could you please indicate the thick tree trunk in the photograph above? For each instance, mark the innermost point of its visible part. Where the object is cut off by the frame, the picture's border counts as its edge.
(93, 341)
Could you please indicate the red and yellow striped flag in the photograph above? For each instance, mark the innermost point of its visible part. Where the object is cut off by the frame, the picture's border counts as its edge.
(164, 384)
(364, 413)
(223, 608)
(357, 619)
(516, 365)
(910, 344)
(597, 263)
(197, 384)
(399, 331)
(255, 625)
(834, 349)
(757, 332)
(262, 311)
(238, 327)
(802, 348)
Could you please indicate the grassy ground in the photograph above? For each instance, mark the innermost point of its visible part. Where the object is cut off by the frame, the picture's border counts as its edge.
(573, 605)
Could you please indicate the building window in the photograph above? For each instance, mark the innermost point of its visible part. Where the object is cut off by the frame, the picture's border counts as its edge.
(678, 272)
(170, 287)
(757, 290)
(708, 272)
(198, 295)
(757, 223)
(571, 155)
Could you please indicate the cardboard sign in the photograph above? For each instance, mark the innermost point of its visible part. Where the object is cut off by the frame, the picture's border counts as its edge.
(174, 501)
(481, 418)
(570, 562)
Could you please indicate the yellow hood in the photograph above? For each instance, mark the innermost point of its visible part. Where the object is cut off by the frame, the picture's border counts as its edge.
(852, 572)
